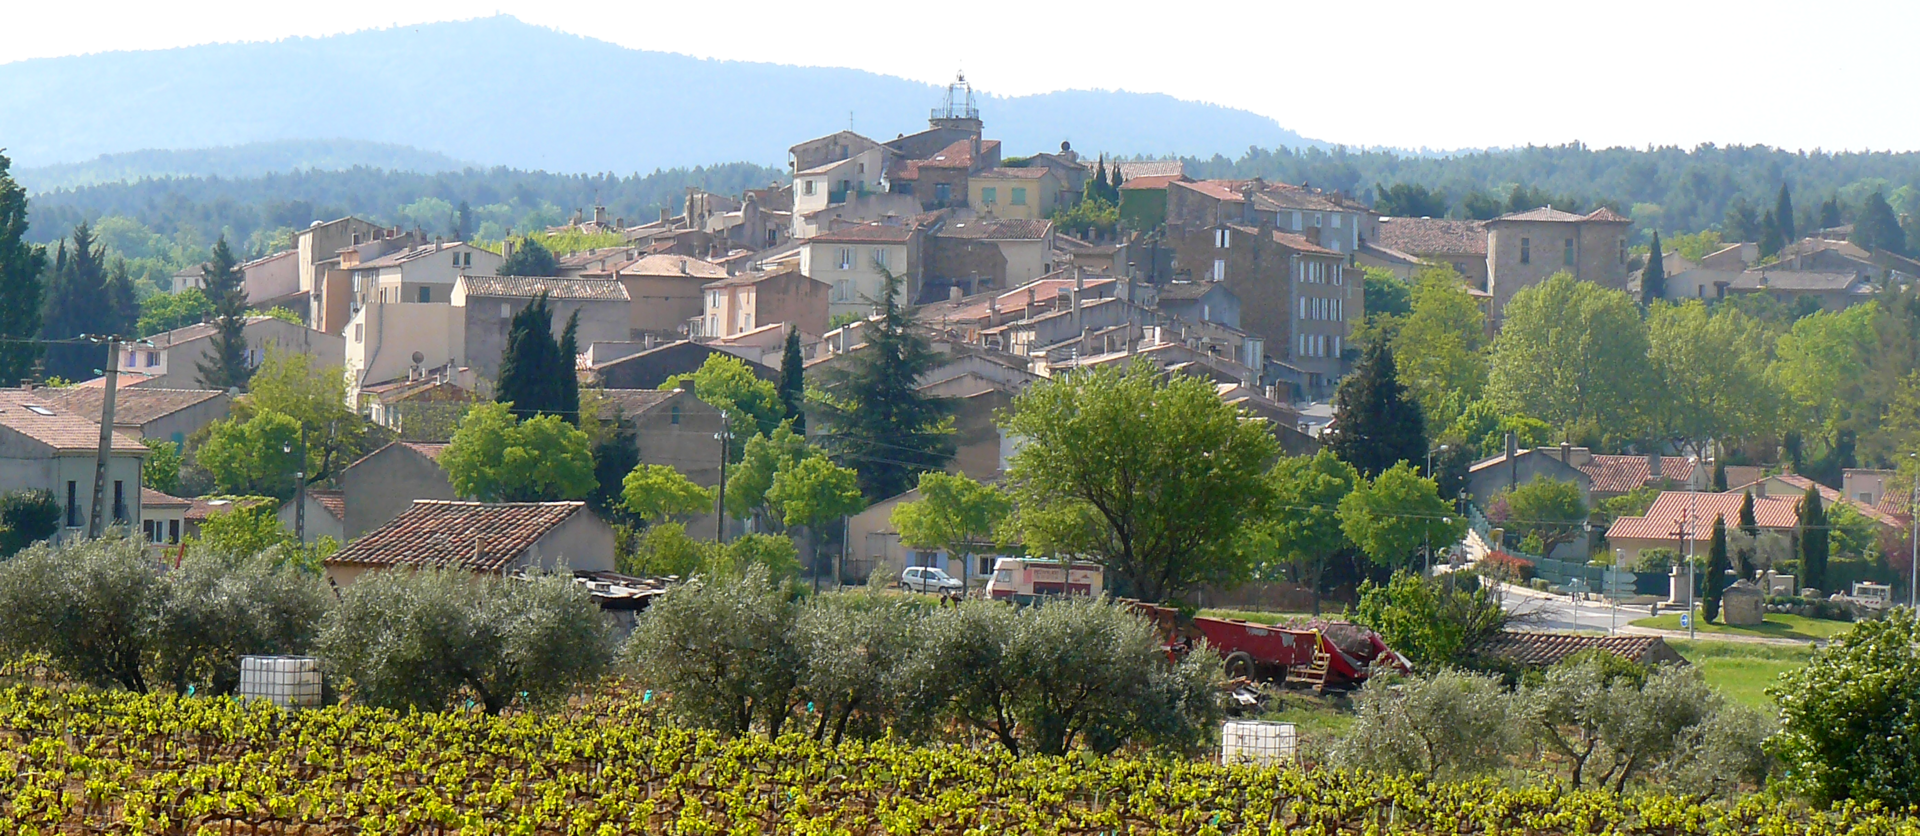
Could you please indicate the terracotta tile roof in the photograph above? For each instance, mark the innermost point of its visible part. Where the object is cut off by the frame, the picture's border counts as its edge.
(1607, 216)
(1283, 196)
(1830, 497)
(746, 279)
(476, 536)
(1619, 474)
(150, 498)
(662, 264)
(1012, 173)
(528, 287)
(1433, 236)
(1145, 168)
(635, 402)
(1538, 650)
(334, 501)
(1222, 190)
(873, 233)
(39, 418)
(958, 155)
(1016, 229)
(1662, 521)
(399, 257)
(1550, 214)
(1288, 240)
(131, 407)
(431, 450)
(189, 333)
(1149, 182)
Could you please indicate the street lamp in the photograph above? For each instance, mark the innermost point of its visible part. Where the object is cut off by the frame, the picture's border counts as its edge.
(1440, 449)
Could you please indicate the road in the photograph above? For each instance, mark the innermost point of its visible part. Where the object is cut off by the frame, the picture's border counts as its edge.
(1540, 611)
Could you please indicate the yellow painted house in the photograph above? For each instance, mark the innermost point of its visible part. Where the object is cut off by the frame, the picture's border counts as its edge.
(1014, 193)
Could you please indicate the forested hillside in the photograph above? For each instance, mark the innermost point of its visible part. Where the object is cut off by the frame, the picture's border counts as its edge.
(252, 159)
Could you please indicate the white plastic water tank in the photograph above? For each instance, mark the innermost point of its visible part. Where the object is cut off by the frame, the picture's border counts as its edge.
(285, 681)
(1258, 742)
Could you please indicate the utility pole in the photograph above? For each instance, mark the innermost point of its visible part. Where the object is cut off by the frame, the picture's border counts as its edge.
(300, 491)
(97, 523)
(1692, 620)
(1913, 560)
(726, 438)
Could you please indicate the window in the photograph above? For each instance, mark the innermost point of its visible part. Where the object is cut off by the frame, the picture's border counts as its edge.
(846, 258)
(673, 415)
(1336, 346)
(1339, 274)
(1317, 219)
(806, 187)
(173, 531)
(456, 259)
(426, 294)
(1303, 307)
(1623, 251)
(942, 192)
(506, 310)
(1526, 251)
(989, 195)
(128, 363)
(713, 298)
(880, 257)
(1219, 269)
(149, 531)
(1336, 221)
(73, 504)
(467, 258)
(843, 291)
(1222, 238)
(153, 359)
(1566, 256)
(119, 500)
(1296, 219)
(1019, 196)
(359, 330)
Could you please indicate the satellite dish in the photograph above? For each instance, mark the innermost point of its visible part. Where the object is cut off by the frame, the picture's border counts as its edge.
(419, 358)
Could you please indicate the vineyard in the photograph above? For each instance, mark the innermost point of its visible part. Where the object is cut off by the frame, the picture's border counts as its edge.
(92, 762)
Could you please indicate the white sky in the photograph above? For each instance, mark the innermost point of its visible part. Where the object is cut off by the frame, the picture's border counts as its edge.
(1836, 74)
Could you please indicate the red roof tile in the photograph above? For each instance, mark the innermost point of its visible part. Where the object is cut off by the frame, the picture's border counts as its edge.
(39, 418)
(867, 234)
(1619, 474)
(150, 498)
(476, 536)
(1546, 649)
(1830, 497)
(1433, 236)
(1222, 190)
(334, 501)
(1662, 521)
(1145, 182)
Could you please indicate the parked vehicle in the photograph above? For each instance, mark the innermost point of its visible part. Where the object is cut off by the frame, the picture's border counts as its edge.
(1023, 580)
(932, 579)
(1322, 654)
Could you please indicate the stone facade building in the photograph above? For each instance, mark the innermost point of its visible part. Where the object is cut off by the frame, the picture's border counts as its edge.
(1302, 299)
(1524, 248)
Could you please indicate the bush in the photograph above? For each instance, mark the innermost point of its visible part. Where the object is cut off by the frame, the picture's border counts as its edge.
(1848, 717)
(27, 517)
(418, 639)
(1450, 725)
(102, 614)
(1433, 622)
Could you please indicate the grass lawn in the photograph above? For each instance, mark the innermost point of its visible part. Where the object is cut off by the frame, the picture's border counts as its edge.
(1262, 616)
(1319, 718)
(1777, 626)
(1742, 670)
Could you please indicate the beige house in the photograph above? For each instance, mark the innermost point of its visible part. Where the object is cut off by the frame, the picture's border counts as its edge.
(385, 482)
(753, 300)
(43, 447)
(145, 411)
(977, 254)
(1014, 193)
(418, 274)
(318, 270)
(270, 280)
(1683, 520)
(1524, 248)
(326, 515)
(490, 303)
(484, 538)
(173, 360)
(873, 543)
(163, 518)
(664, 291)
(853, 262)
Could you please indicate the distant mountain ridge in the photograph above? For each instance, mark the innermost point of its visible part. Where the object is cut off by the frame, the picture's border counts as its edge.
(249, 160)
(497, 91)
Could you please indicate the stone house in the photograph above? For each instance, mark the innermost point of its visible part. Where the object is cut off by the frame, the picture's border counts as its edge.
(1143, 198)
(1832, 291)
(385, 482)
(675, 428)
(1300, 299)
(1524, 248)
(484, 538)
(319, 275)
(490, 303)
(753, 300)
(1461, 245)
(853, 263)
(940, 180)
(650, 369)
(1028, 193)
(664, 290)
(144, 411)
(980, 254)
(1199, 302)
(173, 360)
(43, 447)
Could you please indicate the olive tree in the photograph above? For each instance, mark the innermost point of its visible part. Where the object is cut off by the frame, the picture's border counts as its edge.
(1848, 717)
(856, 650)
(214, 611)
(418, 639)
(722, 649)
(1452, 724)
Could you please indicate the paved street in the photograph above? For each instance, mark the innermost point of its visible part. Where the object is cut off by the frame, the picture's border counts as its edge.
(1541, 611)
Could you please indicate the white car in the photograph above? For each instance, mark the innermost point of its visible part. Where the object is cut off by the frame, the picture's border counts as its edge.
(929, 579)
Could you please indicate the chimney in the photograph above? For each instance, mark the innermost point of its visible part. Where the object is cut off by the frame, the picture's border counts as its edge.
(663, 215)
(954, 293)
(1566, 452)
(1653, 466)
(599, 215)
(436, 243)
(506, 248)
(1079, 291)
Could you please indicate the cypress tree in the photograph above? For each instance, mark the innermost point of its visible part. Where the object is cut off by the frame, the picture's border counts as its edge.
(1717, 567)
(876, 419)
(21, 275)
(1783, 215)
(1653, 280)
(1743, 558)
(793, 385)
(527, 379)
(1719, 476)
(225, 286)
(1813, 540)
(1770, 240)
(74, 307)
(1830, 213)
(123, 303)
(1877, 228)
(1375, 424)
(565, 374)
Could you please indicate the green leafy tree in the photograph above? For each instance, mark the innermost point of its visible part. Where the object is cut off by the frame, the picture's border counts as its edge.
(857, 651)
(1434, 622)
(1712, 367)
(1812, 537)
(226, 366)
(530, 258)
(300, 386)
(27, 517)
(1391, 517)
(1715, 577)
(1409, 200)
(814, 492)
(658, 492)
(1847, 716)
(793, 383)
(257, 456)
(1574, 355)
(724, 648)
(1148, 476)
(1440, 348)
(1821, 366)
(765, 455)
(214, 611)
(1876, 227)
(1484, 426)
(21, 283)
(1783, 215)
(250, 528)
(1633, 503)
(1302, 533)
(76, 306)
(495, 458)
(1547, 508)
(1653, 279)
(1376, 423)
(1830, 213)
(1387, 295)
(877, 420)
(167, 311)
(954, 514)
(752, 405)
(534, 369)
(414, 640)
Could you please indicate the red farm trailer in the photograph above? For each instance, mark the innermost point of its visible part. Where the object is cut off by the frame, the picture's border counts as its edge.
(1323, 654)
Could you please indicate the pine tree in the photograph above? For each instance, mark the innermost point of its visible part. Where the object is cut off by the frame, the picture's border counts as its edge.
(123, 303)
(1783, 215)
(1770, 239)
(1813, 540)
(1877, 228)
(1717, 568)
(1830, 213)
(74, 307)
(876, 419)
(528, 368)
(530, 258)
(1375, 424)
(793, 384)
(226, 367)
(1653, 280)
(21, 268)
(564, 370)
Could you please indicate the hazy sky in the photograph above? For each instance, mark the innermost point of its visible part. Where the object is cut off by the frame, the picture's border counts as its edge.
(1837, 74)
